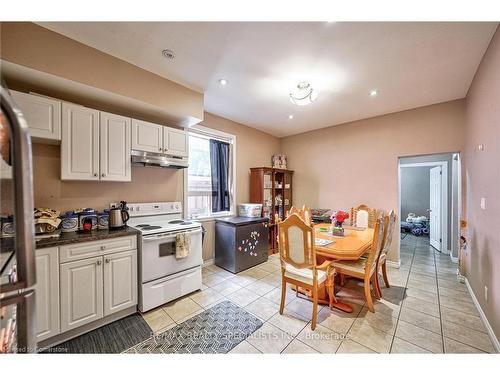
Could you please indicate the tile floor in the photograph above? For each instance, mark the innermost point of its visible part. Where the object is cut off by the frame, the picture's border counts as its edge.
(426, 310)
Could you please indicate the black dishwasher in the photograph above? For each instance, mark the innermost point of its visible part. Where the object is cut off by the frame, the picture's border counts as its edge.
(241, 242)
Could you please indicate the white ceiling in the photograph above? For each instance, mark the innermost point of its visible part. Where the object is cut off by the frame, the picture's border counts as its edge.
(410, 64)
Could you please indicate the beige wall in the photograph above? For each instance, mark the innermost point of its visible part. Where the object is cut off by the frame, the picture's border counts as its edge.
(357, 162)
(483, 181)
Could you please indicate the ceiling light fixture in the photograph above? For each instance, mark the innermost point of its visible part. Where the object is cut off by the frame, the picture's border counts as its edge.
(223, 82)
(290, 117)
(168, 54)
(304, 95)
(373, 93)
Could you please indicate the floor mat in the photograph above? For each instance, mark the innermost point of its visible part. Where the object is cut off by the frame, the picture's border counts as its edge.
(403, 235)
(216, 330)
(112, 338)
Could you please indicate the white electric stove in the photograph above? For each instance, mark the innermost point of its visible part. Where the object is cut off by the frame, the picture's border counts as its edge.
(162, 276)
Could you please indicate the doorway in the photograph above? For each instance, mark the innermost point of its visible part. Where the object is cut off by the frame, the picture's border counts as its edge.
(429, 203)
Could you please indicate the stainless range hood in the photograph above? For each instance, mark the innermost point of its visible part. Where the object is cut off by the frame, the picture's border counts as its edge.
(153, 159)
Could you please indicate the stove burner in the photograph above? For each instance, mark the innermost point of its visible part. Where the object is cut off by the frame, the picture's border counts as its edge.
(142, 225)
(186, 223)
(178, 221)
(150, 227)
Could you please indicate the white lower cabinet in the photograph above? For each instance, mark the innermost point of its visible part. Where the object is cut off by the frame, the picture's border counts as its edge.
(120, 281)
(47, 293)
(81, 292)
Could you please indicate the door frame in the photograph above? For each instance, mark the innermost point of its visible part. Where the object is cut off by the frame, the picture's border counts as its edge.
(444, 197)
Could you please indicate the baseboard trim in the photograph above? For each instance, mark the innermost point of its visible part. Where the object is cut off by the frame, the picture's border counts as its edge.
(491, 333)
(453, 259)
(393, 264)
(208, 262)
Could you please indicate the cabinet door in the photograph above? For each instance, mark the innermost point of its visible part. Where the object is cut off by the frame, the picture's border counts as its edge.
(47, 293)
(42, 114)
(120, 281)
(81, 292)
(175, 142)
(146, 136)
(115, 146)
(79, 143)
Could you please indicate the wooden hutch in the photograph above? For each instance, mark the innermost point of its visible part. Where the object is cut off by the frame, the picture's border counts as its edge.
(272, 187)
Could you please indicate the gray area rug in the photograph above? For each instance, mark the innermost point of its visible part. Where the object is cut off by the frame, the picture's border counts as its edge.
(111, 338)
(216, 330)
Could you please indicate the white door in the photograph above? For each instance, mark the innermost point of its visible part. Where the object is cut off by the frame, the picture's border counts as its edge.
(175, 142)
(115, 146)
(81, 292)
(120, 281)
(47, 293)
(147, 136)
(435, 207)
(79, 143)
(42, 114)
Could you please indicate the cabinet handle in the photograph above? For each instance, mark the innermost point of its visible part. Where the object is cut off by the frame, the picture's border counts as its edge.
(99, 262)
(96, 175)
(103, 247)
(107, 260)
(103, 175)
(160, 149)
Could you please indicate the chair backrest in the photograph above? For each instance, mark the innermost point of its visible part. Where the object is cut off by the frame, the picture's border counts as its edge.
(296, 242)
(304, 213)
(388, 231)
(362, 216)
(376, 248)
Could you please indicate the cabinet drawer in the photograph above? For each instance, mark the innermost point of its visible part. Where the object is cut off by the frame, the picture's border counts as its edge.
(96, 248)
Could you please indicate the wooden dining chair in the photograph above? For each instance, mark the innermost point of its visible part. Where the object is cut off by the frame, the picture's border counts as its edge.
(386, 245)
(362, 216)
(304, 213)
(298, 262)
(366, 268)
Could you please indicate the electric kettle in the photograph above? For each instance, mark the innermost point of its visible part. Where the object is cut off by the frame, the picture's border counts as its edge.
(118, 216)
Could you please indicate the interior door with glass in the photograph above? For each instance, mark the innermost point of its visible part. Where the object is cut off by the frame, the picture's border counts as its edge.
(435, 208)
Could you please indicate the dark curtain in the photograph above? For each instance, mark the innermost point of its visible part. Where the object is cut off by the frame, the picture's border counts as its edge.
(219, 162)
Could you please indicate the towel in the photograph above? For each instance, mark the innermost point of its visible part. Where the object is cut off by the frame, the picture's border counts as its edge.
(182, 245)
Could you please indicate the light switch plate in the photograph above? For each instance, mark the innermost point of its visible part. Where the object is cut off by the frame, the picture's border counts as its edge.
(480, 147)
(483, 203)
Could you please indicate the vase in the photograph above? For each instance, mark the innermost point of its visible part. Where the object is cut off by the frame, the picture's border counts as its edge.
(338, 224)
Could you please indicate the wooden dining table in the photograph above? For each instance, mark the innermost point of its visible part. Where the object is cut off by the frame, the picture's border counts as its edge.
(354, 243)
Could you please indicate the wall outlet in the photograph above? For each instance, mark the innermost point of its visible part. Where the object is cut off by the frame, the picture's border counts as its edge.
(480, 147)
(483, 203)
(486, 293)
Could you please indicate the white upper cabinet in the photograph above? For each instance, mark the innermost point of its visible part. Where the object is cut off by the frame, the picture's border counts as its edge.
(175, 142)
(42, 114)
(146, 136)
(115, 146)
(79, 143)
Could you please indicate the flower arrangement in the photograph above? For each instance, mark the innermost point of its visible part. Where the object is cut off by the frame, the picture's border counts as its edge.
(338, 218)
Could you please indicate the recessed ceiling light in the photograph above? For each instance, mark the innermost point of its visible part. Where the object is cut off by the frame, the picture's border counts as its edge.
(373, 92)
(223, 81)
(290, 117)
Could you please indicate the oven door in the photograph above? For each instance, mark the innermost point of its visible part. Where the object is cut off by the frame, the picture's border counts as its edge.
(158, 255)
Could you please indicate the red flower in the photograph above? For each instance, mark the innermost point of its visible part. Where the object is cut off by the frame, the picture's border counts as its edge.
(340, 216)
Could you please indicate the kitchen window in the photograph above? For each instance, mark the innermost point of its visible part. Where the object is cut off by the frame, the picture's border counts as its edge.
(210, 185)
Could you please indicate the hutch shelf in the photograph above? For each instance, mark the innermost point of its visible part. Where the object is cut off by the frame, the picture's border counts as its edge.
(272, 187)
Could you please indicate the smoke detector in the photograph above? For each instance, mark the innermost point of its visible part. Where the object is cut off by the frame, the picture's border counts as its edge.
(168, 54)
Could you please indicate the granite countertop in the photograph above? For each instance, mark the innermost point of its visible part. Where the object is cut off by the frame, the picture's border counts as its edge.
(74, 237)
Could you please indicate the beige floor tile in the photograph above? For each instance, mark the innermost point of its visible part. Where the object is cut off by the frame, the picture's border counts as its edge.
(289, 322)
(269, 339)
(244, 347)
(421, 337)
(423, 294)
(275, 295)
(205, 271)
(371, 337)
(421, 320)
(273, 279)
(452, 284)
(243, 297)
(206, 297)
(298, 347)
(213, 268)
(335, 320)
(400, 346)
(427, 280)
(259, 287)
(321, 339)
(424, 306)
(414, 284)
(187, 317)
(384, 322)
(181, 308)
(454, 293)
(463, 306)
(468, 336)
(242, 280)
(394, 294)
(226, 288)
(302, 307)
(157, 319)
(454, 347)
(383, 306)
(352, 347)
(263, 308)
(269, 267)
(255, 272)
(212, 280)
(467, 320)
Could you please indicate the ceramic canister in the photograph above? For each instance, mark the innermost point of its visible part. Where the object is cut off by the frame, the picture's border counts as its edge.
(69, 222)
(103, 220)
(88, 213)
